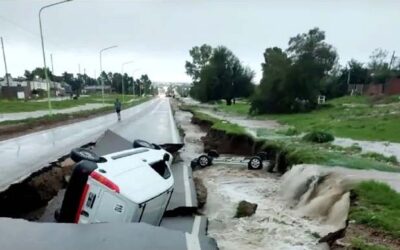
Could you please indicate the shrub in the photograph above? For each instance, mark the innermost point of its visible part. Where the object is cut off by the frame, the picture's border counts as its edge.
(318, 137)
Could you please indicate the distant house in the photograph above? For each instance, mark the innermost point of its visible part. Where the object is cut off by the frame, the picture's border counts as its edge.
(391, 87)
(21, 88)
(373, 89)
(96, 89)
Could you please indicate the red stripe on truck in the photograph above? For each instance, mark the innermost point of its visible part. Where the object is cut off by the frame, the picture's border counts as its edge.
(106, 182)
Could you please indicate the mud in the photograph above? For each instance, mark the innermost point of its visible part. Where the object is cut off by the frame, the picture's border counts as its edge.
(275, 225)
(29, 198)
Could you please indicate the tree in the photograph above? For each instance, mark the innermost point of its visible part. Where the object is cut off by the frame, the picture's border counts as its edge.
(28, 75)
(146, 84)
(221, 76)
(271, 95)
(75, 83)
(312, 60)
(292, 80)
(358, 73)
(200, 56)
(379, 66)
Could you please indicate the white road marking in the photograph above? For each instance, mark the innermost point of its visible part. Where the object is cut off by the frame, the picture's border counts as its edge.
(174, 130)
(192, 242)
(196, 225)
(188, 195)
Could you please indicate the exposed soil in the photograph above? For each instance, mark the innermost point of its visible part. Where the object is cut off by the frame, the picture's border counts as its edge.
(369, 235)
(28, 199)
(223, 189)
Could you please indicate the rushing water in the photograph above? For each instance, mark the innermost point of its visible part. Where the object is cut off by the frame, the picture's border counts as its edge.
(293, 210)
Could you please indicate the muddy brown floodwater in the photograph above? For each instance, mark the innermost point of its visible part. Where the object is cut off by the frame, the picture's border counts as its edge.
(275, 225)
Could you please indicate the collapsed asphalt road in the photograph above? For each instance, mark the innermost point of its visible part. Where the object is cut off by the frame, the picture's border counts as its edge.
(24, 155)
(152, 121)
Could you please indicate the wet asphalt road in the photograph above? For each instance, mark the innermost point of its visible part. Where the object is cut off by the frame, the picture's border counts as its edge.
(26, 154)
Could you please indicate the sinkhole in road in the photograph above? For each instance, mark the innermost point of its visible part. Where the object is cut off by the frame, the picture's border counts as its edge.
(29, 198)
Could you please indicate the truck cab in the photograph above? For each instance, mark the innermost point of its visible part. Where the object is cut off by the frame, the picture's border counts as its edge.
(133, 185)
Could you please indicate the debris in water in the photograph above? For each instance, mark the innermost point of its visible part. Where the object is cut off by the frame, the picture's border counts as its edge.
(245, 209)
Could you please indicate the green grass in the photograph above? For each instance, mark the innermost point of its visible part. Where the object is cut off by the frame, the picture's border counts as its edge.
(32, 122)
(378, 206)
(352, 116)
(298, 151)
(218, 124)
(380, 157)
(12, 106)
(360, 244)
(241, 108)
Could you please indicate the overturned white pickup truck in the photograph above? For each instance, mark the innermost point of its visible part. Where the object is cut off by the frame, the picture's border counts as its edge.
(132, 185)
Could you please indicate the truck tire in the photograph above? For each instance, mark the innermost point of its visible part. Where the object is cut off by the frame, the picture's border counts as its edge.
(255, 163)
(213, 154)
(263, 155)
(204, 161)
(79, 154)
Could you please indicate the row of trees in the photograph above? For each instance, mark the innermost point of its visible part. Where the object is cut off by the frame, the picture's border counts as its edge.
(292, 79)
(218, 74)
(139, 86)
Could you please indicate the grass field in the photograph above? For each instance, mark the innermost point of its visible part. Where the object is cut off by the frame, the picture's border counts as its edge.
(378, 207)
(299, 151)
(12, 106)
(355, 117)
(32, 122)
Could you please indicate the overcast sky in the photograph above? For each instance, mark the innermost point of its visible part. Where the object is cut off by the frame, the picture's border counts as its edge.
(158, 34)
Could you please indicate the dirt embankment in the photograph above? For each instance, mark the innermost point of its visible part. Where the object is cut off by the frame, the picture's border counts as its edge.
(29, 198)
(279, 158)
(282, 159)
(226, 143)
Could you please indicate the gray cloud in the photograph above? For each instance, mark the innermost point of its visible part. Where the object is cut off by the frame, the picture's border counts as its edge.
(158, 34)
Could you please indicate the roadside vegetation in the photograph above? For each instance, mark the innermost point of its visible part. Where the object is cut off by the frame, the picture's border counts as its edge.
(8, 128)
(377, 206)
(12, 106)
(297, 150)
(355, 117)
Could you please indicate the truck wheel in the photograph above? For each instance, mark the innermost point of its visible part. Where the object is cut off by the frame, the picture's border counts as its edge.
(79, 154)
(204, 161)
(255, 163)
(213, 153)
(263, 155)
(194, 163)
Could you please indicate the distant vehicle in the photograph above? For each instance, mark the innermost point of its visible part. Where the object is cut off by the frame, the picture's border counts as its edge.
(213, 157)
(133, 185)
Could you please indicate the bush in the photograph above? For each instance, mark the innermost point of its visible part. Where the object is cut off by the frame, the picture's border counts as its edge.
(319, 137)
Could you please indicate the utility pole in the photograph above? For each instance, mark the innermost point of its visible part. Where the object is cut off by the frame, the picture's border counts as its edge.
(5, 61)
(43, 51)
(52, 66)
(101, 70)
(392, 60)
